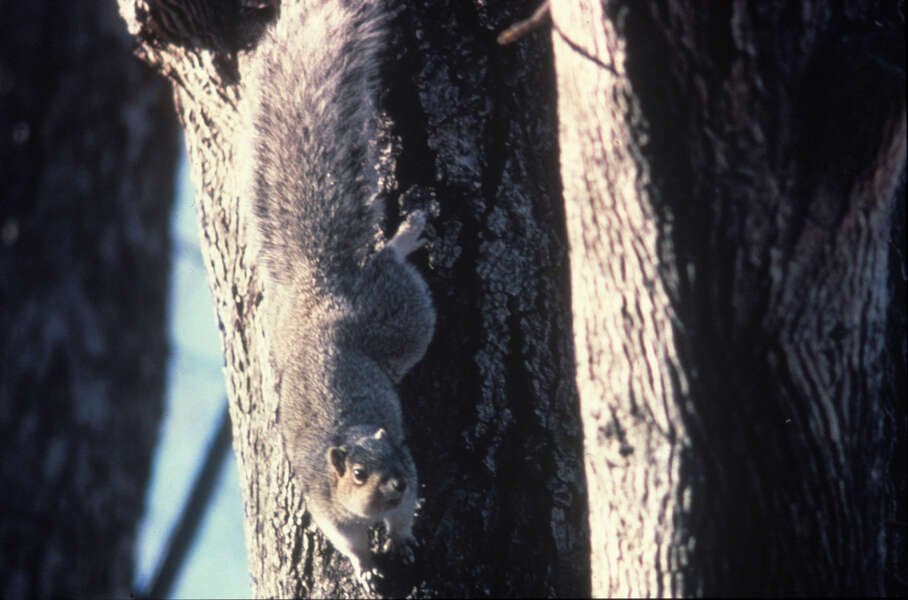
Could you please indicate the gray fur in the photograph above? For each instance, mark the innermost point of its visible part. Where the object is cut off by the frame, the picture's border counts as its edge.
(344, 322)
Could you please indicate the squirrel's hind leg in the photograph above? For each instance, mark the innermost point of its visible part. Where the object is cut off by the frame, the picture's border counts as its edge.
(407, 239)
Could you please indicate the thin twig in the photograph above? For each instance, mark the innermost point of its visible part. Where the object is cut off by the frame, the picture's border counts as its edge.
(521, 28)
(184, 532)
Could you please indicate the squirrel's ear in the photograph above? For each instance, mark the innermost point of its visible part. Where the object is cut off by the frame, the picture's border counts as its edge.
(336, 458)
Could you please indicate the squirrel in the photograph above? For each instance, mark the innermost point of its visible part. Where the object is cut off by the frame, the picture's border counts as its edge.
(344, 320)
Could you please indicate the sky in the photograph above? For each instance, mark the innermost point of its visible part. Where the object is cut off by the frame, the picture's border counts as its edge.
(215, 566)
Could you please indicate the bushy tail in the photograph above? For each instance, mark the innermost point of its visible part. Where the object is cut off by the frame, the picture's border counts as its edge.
(311, 107)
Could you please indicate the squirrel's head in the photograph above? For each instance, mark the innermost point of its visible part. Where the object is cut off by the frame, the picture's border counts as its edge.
(371, 472)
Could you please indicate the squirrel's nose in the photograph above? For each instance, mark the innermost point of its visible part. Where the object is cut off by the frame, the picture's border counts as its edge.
(394, 490)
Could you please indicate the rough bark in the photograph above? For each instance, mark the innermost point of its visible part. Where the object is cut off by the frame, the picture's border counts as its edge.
(491, 411)
(87, 155)
(729, 177)
(896, 583)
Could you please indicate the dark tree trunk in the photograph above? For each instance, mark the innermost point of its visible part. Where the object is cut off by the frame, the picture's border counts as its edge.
(88, 147)
(491, 412)
(729, 179)
(896, 582)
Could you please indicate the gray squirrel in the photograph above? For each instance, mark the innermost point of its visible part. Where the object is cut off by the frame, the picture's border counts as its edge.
(344, 320)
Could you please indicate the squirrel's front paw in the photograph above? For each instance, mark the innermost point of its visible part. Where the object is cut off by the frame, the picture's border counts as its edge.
(407, 551)
(406, 548)
(369, 578)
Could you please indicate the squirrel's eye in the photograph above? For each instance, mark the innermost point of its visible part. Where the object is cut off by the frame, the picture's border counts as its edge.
(359, 475)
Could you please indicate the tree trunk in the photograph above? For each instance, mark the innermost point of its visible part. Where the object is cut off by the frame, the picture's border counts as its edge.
(729, 177)
(491, 412)
(88, 154)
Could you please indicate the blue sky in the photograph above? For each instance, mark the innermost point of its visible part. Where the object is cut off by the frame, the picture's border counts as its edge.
(215, 566)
